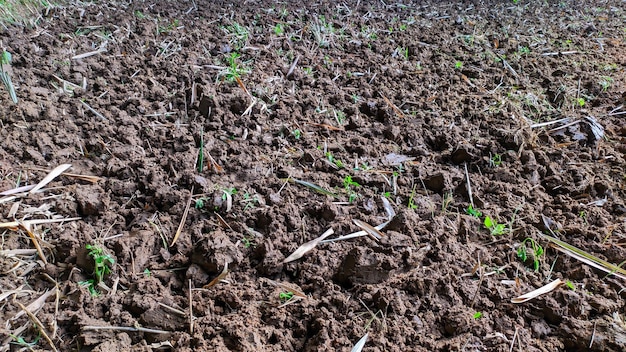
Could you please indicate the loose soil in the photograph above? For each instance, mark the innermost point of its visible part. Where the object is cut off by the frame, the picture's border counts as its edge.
(401, 98)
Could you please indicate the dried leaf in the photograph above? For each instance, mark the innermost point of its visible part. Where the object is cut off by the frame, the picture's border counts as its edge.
(394, 159)
(183, 219)
(538, 292)
(369, 229)
(303, 249)
(219, 277)
(360, 344)
(587, 258)
(51, 176)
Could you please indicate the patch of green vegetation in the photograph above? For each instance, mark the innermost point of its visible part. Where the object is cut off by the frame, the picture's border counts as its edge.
(477, 315)
(333, 160)
(580, 102)
(250, 201)
(296, 133)
(103, 264)
(147, 273)
(340, 117)
(605, 82)
(169, 27)
(140, 15)
(226, 192)
(25, 13)
(238, 35)
(536, 249)
(248, 242)
(493, 226)
(523, 50)
(458, 65)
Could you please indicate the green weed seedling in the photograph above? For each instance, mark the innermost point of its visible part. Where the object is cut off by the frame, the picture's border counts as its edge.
(537, 251)
(285, 296)
(412, 204)
(296, 133)
(251, 201)
(19, 341)
(233, 70)
(493, 226)
(5, 74)
(103, 263)
(349, 186)
(458, 65)
(333, 160)
(581, 102)
(248, 242)
(473, 212)
(228, 192)
(477, 315)
(279, 29)
(495, 160)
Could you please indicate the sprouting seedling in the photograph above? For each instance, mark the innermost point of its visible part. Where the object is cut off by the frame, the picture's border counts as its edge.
(296, 133)
(233, 71)
(334, 160)
(279, 29)
(285, 296)
(537, 251)
(493, 226)
(201, 151)
(477, 315)
(239, 35)
(103, 264)
(5, 74)
(458, 65)
(228, 192)
(412, 204)
(495, 160)
(473, 212)
(349, 184)
(581, 102)
(19, 340)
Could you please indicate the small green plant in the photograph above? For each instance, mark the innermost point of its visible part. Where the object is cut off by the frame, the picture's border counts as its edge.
(228, 192)
(296, 133)
(279, 29)
(458, 65)
(140, 15)
(5, 74)
(570, 285)
(524, 50)
(477, 315)
(238, 34)
(251, 201)
(340, 117)
(495, 160)
(147, 273)
(387, 195)
(537, 252)
(581, 102)
(169, 28)
(19, 341)
(103, 264)
(412, 204)
(201, 151)
(349, 185)
(493, 226)
(605, 82)
(234, 70)
(473, 212)
(334, 160)
(447, 200)
(248, 242)
(404, 52)
(285, 296)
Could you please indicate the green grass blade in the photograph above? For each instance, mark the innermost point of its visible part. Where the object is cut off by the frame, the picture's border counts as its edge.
(314, 187)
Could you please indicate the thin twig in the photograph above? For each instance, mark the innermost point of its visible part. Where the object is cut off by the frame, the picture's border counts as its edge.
(125, 328)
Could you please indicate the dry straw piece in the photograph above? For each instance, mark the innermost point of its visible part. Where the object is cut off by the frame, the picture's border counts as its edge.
(538, 292)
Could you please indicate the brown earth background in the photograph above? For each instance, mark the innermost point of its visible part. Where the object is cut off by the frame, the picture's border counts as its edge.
(252, 112)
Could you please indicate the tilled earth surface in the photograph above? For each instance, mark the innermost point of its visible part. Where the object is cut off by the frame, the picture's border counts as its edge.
(243, 109)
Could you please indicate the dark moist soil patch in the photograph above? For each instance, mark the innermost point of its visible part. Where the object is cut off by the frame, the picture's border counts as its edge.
(400, 98)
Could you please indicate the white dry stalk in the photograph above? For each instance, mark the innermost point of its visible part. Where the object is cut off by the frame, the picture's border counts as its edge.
(360, 344)
(303, 249)
(538, 292)
(390, 214)
(51, 176)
